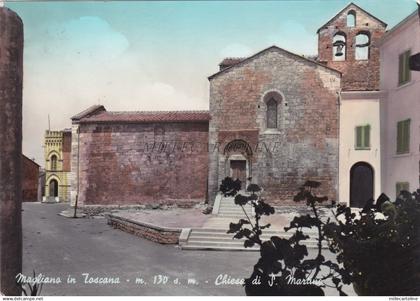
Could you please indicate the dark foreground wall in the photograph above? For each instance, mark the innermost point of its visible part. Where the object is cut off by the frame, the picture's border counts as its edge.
(11, 61)
(142, 163)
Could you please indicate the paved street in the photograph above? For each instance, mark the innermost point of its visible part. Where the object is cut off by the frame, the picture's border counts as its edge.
(58, 247)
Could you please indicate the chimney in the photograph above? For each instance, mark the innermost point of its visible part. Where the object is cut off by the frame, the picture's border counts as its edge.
(229, 62)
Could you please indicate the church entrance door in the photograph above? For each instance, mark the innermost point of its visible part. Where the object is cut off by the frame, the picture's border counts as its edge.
(238, 171)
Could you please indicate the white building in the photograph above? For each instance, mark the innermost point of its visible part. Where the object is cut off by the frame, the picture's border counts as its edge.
(400, 108)
(360, 147)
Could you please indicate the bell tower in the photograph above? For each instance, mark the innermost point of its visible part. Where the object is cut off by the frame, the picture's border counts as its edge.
(349, 43)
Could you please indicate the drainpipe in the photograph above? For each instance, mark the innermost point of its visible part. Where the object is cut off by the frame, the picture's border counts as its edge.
(78, 168)
(339, 144)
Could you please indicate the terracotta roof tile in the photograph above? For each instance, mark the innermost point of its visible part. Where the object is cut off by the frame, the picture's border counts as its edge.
(148, 116)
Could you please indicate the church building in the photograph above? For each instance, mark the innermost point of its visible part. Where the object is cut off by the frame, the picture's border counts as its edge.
(275, 118)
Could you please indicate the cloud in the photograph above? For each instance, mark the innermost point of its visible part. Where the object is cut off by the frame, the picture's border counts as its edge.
(87, 39)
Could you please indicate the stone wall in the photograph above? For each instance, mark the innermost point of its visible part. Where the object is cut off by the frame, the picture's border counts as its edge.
(305, 144)
(357, 74)
(141, 163)
(148, 231)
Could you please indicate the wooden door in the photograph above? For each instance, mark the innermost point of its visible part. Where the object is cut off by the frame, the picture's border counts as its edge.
(361, 184)
(238, 169)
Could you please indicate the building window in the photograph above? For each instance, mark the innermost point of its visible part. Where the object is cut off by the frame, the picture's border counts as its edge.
(272, 113)
(339, 47)
(53, 160)
(403, 137)
(402, 186)
(404, 75)
(351, 19)
(363, 137)
(362, 46)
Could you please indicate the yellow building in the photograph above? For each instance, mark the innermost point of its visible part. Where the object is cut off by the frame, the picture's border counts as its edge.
(57, 152)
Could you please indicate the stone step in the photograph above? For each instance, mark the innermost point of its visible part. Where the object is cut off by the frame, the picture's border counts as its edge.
(228, 236)
(234, 206)
(192, 247)
(235, 242)
(234, 210)
(231, 245)
(265, 232)
(226, 239)
(237, 215)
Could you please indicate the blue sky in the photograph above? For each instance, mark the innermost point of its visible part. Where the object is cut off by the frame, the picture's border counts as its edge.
(154, 55)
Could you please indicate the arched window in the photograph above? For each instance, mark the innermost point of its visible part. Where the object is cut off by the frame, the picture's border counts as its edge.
(272, 101)
(351, 19)
(339, 47)
(362, 46)
(53, 163)
(272, 113)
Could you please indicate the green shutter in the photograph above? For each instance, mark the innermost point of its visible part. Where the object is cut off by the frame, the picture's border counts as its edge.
(362, 137)
(358, 137)
(407, 135)
(407, 66)
(403, 136)
(400, 69)
(402, 186)
(399, 137)
(404, 73)
(367, 136)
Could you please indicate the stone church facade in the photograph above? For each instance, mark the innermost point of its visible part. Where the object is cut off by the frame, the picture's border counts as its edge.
(275, 118)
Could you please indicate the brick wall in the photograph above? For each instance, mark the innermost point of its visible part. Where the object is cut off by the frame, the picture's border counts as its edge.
(30, 174)
(66, 151)
(305, 144)
(357, 74)
(142, 163)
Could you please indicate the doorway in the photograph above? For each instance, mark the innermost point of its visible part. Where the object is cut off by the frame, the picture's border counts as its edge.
(238, 171)
(53, 188)
(361, 184)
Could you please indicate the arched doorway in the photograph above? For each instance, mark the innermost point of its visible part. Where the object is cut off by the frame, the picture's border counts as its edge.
(238, 154)
(361, 184)
(53, 185)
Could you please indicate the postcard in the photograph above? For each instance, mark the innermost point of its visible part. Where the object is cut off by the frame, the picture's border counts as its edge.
(210, 148)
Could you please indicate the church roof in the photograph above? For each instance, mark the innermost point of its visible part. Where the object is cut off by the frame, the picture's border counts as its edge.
(147, 116)
(245, 60)
(347, 7)
(88, 112)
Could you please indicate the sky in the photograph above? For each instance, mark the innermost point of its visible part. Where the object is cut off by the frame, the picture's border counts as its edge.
(153, 55)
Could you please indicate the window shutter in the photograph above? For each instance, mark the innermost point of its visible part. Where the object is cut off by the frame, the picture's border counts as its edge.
(407, 135)
(400, 69)
(404, 74)
(367, 136)
(407, 66)
(358, 137)
(402, 186)
(399, 137)
(403, 136)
